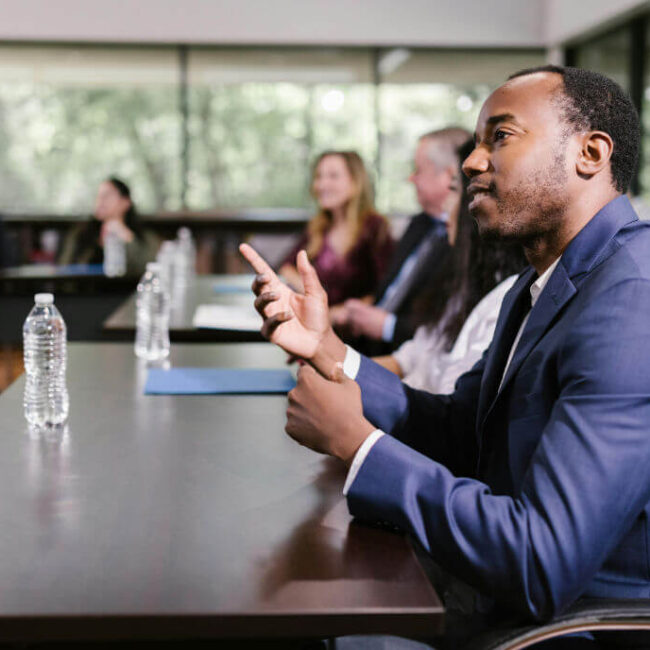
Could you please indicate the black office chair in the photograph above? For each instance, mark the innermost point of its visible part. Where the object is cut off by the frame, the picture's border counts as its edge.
(625, 622)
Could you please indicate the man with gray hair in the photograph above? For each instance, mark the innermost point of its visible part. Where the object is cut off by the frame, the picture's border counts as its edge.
(391, 321)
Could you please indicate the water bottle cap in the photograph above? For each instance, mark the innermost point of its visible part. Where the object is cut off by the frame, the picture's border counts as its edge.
(184, 233)
(44, 299)
(153, 266)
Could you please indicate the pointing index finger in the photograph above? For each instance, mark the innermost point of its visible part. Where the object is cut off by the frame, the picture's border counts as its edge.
(256, 260)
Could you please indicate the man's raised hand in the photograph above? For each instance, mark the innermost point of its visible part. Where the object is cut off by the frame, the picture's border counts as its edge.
(297, 323)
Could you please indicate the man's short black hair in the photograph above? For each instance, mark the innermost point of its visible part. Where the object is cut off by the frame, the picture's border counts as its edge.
(593, 102)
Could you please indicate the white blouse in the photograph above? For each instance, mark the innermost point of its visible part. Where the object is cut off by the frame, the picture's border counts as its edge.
(428, 366)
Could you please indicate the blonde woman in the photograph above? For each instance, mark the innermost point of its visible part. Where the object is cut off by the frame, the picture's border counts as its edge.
(347, 241)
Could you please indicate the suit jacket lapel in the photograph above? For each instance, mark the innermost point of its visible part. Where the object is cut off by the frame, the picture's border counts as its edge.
(419, 228)
(414, 232)
(557, 292)
(591, 245)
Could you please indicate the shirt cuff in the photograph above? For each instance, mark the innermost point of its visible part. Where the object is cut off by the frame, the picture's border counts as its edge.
(389, 327)
(351, 363)
(359, 457)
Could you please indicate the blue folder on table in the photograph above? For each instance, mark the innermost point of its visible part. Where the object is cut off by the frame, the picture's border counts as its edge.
(80, 269)
(215, 381)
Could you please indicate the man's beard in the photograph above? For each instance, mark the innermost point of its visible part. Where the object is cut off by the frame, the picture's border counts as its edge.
(527, 214)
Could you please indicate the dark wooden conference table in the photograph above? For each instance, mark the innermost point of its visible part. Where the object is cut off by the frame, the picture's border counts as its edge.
(235, 290)
(187, 518)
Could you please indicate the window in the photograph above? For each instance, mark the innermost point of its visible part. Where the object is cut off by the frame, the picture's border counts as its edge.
(69, 117)
(210, 127)
(423, 90)
(259, 117)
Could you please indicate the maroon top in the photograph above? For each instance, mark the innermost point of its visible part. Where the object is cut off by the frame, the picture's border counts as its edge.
(357, 273)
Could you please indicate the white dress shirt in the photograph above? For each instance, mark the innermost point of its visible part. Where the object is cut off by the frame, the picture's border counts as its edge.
(426, 363)
(353, 362)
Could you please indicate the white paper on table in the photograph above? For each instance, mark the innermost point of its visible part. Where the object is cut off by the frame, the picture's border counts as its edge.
(227, 317)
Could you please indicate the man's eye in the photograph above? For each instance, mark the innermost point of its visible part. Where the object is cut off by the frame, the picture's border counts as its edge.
(500, 134)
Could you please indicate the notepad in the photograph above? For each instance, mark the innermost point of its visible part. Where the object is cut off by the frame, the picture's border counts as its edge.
(215, 381)
(227, 317)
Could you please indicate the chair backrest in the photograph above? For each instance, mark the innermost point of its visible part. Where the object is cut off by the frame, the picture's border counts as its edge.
(615, 620)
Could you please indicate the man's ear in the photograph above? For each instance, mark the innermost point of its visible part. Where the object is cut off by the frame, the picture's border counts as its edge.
(595, 152)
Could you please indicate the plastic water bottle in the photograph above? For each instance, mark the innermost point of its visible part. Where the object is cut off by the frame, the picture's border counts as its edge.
(46, 399)
(152, 316)
(167, 259)
(185, 258)
(114, 255)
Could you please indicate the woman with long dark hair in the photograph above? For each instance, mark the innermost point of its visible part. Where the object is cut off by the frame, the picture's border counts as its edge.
(115, 213)
(347, 241)
(461, 308)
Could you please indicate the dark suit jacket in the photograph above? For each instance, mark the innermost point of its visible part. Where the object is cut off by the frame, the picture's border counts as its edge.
(556, 500)
(418, 228)
(4, 249)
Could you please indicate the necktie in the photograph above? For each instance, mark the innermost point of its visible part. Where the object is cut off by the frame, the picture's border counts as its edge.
(509, 337)
(393, 301)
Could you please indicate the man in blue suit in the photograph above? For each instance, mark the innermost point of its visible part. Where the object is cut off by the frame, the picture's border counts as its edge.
(530, 482)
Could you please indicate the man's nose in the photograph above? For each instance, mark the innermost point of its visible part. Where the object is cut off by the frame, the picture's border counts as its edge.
(476, 163)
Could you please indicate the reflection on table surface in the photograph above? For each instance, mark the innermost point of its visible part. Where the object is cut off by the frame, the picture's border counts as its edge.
(187, 517)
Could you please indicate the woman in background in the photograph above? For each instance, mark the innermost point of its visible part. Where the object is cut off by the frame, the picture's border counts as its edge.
(114, 213)
(462, 311)
(348, 242)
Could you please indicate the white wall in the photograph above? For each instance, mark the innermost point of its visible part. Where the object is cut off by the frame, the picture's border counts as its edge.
(478, 23)
(568, 19)
(329, 22)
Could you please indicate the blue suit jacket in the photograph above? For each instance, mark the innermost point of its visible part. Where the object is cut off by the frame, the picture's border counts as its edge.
(537, 493)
